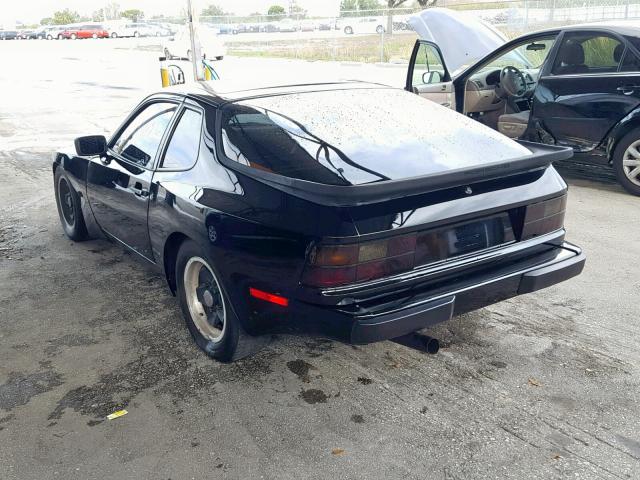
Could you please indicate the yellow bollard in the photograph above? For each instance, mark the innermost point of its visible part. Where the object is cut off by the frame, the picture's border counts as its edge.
(164, 72)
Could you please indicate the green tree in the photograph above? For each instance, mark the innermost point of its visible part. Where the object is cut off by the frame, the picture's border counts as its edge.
(46, 21)
(212, 11)
(133, 14)
(296, 10)
(64, 17)
(427, 3)
(391, 4)
(277, 12)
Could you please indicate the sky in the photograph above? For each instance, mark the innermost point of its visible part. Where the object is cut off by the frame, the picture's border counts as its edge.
(32, 11)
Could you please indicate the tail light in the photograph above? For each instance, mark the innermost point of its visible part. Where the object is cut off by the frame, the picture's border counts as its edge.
(332, 265)
(544, 217)
(336, 265)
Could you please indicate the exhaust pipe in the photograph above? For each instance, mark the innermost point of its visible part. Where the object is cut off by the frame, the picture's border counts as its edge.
(431, 345)
(420, 342)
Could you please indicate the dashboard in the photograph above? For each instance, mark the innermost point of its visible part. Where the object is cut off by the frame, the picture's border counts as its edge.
(482, 92)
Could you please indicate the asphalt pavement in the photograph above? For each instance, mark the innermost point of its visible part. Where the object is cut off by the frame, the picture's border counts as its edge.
(546, 385)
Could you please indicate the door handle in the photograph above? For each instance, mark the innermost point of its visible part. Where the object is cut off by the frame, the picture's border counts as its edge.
(138, 190)
(627, 89)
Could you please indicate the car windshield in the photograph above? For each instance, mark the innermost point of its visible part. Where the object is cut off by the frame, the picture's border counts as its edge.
(526, 56)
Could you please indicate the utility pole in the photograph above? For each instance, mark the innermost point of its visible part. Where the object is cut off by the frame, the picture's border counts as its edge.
(195, 52)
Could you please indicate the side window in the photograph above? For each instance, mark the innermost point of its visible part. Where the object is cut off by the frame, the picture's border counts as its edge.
(630, 62)
(184, 145)
(588, 53)
(429, 67)
(140, 140)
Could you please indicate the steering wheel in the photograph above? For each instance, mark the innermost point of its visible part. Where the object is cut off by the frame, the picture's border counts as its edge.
(512, 82)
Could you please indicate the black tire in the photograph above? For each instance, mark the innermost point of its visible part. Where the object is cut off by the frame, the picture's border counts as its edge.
(379, 29)
(618, 162)
(114, 35)
(231, 344)
(348, 30)
(49, 37)
(69, 208)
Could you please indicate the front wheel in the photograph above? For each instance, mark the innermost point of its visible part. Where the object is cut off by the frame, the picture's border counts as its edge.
(69, 209)
(95, 35)
(626, 162)
(114, 35)
(348, 30)
(205, 305)
(73, 36)
(379, 29)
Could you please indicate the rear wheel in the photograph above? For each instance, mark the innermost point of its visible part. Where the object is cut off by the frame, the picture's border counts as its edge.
(379, 29)
(95, 35)
(114, 35)
(348, 30)
(69, 209)
(73, 36)
(60, 37)
(205, 306)
(626, 162)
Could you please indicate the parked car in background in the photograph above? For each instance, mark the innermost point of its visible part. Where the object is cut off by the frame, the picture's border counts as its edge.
(227, 29)
(308, 26)
(179, 46)
(357, 25)
(24, 34)
(288, 25)
(575, 86)
(54, 32)
(85, 31)
(8, 34)
(131, 29)
(265, 216)
(157, 30)
(325, 25)
(38, 33)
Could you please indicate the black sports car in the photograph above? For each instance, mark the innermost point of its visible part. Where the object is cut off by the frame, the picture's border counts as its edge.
(349, 208)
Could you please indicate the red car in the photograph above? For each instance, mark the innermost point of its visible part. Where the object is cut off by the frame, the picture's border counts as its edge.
(85, 31)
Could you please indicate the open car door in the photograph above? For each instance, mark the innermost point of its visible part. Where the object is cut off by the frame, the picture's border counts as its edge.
(428, 75)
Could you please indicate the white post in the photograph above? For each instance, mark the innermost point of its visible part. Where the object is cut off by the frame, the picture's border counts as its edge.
(195, 52)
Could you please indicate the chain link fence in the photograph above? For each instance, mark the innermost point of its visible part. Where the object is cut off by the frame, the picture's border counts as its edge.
(384, 35)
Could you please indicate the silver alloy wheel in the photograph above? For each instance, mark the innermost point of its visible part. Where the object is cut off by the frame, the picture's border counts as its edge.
(204, 299)
(631, 163)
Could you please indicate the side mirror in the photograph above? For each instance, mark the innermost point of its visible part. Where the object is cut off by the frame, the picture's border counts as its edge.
(91, 145)
(432, 77)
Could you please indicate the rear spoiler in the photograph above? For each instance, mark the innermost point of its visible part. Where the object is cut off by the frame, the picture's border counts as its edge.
(356, 195)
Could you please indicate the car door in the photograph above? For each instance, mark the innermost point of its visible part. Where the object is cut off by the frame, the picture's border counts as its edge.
(428, 75)
(592, 83)
(118, 184)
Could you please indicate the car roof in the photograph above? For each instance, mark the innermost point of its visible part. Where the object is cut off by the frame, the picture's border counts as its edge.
(624, 27)
(218, 92)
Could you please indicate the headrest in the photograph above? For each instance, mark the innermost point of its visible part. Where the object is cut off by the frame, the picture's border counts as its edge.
(571, 54)
(617, 53)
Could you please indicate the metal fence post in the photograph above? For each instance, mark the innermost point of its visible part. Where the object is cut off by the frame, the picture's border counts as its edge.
(382, 46)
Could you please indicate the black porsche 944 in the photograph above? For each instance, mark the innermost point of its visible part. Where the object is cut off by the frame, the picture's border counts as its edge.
(349, 209)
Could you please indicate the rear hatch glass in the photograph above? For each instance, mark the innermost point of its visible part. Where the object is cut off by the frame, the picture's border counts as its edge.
(357, 136)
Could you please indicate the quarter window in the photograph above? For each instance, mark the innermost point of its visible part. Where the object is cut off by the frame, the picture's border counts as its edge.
(184, 145)
(139, 141)
(588, 53)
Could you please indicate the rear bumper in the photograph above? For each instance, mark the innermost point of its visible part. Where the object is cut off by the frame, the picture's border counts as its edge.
(377, 320)
(430, 311)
